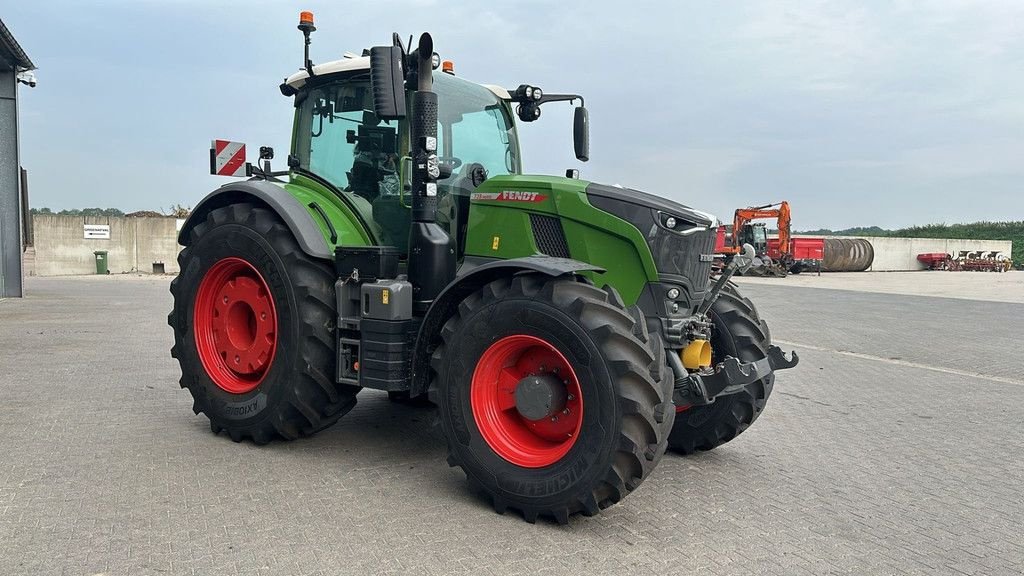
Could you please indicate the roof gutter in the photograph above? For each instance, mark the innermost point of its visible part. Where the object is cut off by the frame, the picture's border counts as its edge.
(12, 52)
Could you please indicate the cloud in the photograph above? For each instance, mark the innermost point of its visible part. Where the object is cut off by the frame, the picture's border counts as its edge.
(813, 45)
(698, 177)
(716, 104)
(858, 164)
(959, 160)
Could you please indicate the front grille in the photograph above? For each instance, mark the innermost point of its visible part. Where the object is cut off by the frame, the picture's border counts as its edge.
(681, 254)
(549, 236)
(681, 259)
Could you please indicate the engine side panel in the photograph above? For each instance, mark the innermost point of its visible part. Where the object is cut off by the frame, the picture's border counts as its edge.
(510, 217)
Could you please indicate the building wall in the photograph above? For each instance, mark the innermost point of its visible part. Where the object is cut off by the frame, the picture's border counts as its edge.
(900, 254)
(134, 244)
(10, 189)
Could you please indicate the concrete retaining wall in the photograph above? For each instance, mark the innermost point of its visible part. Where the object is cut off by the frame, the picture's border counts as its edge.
(134, 244)
(898, 254)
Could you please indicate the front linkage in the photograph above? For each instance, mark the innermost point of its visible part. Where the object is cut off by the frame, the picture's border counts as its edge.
(729, 376)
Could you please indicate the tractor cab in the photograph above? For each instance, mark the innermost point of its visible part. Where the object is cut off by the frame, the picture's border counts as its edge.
(339, 138)
(757, 236)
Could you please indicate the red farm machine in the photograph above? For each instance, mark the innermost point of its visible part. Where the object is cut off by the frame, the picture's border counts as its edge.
(967, 261)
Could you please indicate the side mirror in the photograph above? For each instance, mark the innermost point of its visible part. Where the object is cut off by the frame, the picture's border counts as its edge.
(581, 134)
(387, 79)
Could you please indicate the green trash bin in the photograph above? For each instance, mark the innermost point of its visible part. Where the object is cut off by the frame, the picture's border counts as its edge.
(101, 262)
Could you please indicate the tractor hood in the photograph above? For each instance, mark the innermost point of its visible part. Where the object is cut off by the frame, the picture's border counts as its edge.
(610, 198)
(681, 239)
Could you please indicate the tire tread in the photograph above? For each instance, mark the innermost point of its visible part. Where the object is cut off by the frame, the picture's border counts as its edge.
(315, 401)
(625, 344)
(703, 428)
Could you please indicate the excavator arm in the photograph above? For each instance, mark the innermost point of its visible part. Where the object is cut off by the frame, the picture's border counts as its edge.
(782, 215)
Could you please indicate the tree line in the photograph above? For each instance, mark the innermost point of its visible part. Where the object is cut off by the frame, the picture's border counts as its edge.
(177, 211)
(81, 212)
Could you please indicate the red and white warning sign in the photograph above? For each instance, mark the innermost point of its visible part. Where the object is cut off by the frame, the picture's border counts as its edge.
(227, 158)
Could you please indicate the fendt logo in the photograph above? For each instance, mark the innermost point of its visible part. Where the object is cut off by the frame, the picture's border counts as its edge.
(510, 196)
(520, 196)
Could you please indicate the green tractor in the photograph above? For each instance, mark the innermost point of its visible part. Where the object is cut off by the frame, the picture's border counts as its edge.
(568, 331)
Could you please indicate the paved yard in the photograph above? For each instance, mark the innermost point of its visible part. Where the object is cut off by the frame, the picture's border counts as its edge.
(894, 448)
(989, 286)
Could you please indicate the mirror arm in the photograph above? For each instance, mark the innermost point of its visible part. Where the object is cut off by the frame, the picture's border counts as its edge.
(559, 98)
(550, 98)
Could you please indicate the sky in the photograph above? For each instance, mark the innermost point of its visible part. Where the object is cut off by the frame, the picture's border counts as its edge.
(859, 113)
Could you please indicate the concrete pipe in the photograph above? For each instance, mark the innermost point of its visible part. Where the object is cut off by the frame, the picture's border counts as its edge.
(847, 255)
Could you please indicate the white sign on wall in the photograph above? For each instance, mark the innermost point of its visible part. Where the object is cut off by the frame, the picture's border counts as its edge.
(97, 232)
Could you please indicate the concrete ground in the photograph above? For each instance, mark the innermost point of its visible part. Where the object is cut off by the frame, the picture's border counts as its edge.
(988, 286)
(894, 448)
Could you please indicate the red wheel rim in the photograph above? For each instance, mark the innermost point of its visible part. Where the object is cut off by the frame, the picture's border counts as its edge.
(523, 442)
(235, 325)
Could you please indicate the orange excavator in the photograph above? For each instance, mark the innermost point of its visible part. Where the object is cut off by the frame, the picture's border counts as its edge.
(756, 234)
(773, 258)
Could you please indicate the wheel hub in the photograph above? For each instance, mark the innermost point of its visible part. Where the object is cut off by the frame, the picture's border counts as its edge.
(526, 401)
(242, 334)
(540, 396)
(235, 325)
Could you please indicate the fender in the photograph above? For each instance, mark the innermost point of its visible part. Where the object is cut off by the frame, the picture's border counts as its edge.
(295, 215)
(474, 274)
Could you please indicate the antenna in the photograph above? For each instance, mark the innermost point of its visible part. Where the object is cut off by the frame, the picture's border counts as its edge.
(307, 27)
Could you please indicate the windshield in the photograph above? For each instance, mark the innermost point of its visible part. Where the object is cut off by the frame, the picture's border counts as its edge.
(474, 126)
(757, 235)
(339, 138)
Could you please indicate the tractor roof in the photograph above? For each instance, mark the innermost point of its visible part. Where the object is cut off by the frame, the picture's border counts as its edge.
(350, 63)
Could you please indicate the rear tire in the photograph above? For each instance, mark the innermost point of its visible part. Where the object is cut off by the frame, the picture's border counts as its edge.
(615, 432)
(289, 390)
(739, 332)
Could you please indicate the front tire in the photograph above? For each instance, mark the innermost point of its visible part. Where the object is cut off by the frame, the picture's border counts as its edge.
(737, 331)
(253, 324)
(603, 439)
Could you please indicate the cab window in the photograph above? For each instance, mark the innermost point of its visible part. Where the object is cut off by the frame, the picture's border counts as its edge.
(341, 140)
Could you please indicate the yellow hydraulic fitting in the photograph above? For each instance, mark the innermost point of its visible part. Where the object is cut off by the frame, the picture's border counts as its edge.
(696, 355)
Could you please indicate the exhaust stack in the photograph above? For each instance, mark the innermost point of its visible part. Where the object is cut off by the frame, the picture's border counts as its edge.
(431, 250)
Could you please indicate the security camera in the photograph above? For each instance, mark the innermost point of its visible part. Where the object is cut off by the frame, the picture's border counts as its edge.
(27, 77)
